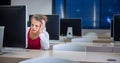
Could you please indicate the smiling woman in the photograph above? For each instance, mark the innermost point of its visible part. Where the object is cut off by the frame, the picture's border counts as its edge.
(38, 37)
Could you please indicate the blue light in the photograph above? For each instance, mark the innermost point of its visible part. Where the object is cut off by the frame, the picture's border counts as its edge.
(108, 20)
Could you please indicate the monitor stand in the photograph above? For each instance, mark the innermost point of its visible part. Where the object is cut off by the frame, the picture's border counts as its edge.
(1, 38)
(1, 53)
(69, 32)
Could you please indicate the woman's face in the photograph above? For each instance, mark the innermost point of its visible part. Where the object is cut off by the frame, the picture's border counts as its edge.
(35, 25)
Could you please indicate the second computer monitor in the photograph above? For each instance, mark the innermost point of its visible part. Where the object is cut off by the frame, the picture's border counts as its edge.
(116, 27)
(74, 23)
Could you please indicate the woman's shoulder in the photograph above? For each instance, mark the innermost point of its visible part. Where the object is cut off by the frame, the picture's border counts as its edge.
(45, 31)
(27, 29)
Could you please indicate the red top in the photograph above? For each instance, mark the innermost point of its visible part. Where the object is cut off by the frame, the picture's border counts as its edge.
(33, 44)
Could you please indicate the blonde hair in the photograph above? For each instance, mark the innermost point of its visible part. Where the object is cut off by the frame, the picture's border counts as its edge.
(40, 17)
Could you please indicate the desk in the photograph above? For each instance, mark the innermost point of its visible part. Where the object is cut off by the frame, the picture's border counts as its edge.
(94, 47)
(66, 39)
(16, 56)
(104, 37)
(94, 44)
(102, 41)
(83, 43)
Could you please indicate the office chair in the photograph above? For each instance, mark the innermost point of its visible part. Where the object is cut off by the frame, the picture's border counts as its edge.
(69, 47)
(48, 60)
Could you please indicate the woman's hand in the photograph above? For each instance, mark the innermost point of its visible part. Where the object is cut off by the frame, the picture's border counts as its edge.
(42, 26)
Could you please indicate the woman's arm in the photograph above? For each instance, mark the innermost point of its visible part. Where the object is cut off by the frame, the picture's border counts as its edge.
(44, 37)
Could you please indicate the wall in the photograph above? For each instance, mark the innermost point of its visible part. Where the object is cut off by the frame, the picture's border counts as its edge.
(35, 6)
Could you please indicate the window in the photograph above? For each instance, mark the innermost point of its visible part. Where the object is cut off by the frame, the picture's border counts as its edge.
(95, 14)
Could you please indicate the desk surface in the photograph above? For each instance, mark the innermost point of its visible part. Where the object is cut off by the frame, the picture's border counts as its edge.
(85, 44)
(97, 44)
(72, 55)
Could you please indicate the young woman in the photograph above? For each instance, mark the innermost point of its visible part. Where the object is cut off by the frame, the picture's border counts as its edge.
(37, 37)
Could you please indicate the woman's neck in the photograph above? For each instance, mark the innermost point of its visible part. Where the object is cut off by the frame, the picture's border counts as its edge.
(33, 35)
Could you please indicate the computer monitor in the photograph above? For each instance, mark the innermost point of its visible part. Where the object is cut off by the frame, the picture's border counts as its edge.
(111, 28)
(74, 23)
(52, 26)
(14, 20)
(116, 27)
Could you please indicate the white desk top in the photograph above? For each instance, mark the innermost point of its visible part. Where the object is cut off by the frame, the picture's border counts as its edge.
(72, 55)
(86, 44)
(97, 44)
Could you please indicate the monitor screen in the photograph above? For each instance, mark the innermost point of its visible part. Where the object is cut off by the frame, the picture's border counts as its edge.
(52, 26)
(74, 23)
(14, 20)
(116, 28)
